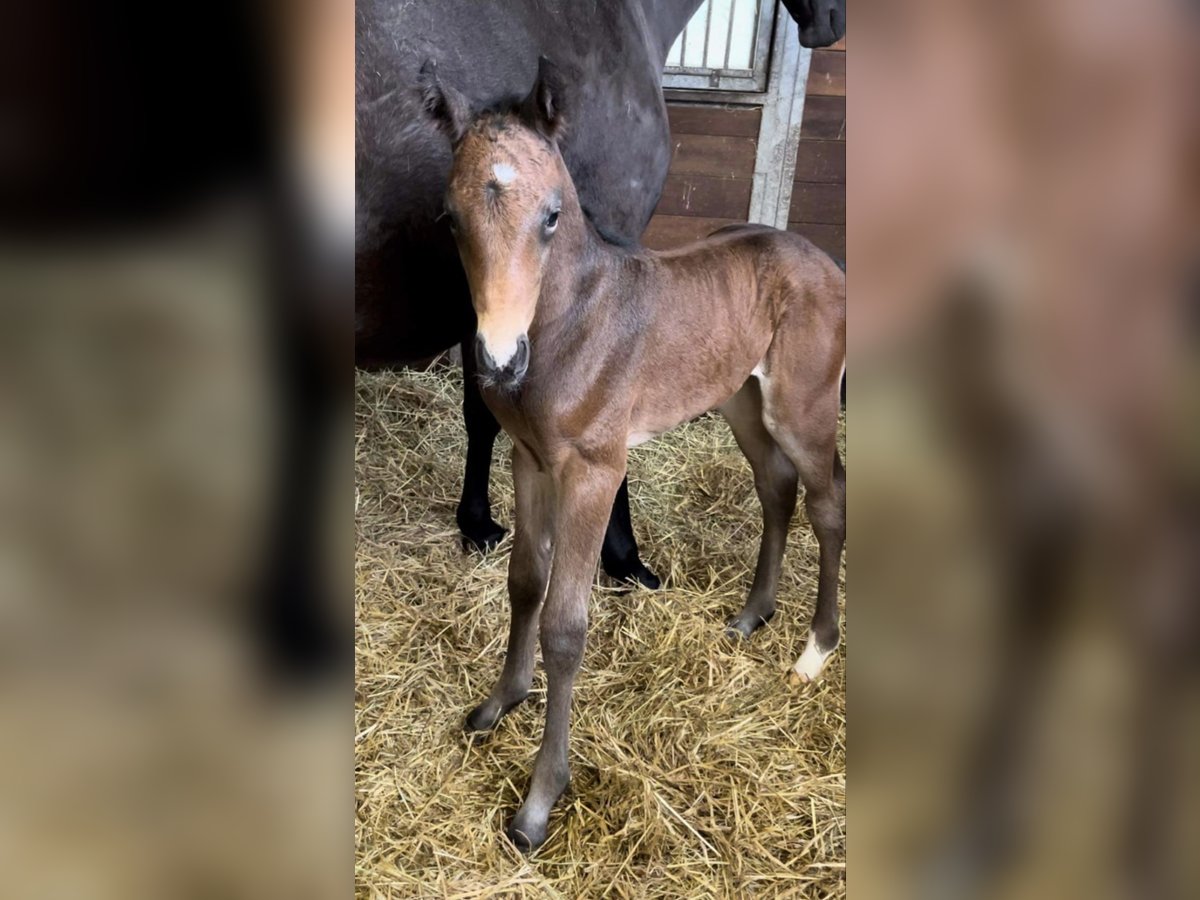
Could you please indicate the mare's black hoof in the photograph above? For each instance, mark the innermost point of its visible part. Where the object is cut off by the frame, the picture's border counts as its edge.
(633, 572)
(482, 536)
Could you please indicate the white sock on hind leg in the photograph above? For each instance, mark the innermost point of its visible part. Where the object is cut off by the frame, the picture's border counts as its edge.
(812, 660)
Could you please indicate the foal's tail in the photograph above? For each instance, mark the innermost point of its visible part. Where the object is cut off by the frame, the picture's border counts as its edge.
(841, 264)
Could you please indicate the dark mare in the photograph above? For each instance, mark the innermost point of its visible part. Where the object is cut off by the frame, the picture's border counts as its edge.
(411, 297)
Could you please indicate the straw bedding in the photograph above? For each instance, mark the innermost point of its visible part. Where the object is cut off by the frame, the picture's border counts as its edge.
(698, 769)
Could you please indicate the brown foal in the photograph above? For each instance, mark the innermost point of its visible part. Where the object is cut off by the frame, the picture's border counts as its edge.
(586, 349)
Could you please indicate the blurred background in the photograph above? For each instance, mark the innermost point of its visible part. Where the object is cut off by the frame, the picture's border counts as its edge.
(175, 449)
(1022, 692)
(175, 310)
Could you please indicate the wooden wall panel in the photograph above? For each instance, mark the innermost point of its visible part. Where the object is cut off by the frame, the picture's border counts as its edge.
(818, 208)
(703, 195)
(821, 161)
(830, 238)
(827, 73)
(711, 174)
(665, 232)
(824, 204)
(707, 154)
(693, 118)
(824, 118)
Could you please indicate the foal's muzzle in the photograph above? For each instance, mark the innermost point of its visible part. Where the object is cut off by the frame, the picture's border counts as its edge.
(508, 375)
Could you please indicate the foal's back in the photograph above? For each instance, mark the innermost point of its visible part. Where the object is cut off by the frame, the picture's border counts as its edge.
(801, 259)
(740, 280)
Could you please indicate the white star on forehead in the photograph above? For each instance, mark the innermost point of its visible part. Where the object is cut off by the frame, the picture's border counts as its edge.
(504, 173)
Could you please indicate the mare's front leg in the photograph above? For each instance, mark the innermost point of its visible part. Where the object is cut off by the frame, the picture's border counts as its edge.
(474, 516)
(528, 573)
(584, 492)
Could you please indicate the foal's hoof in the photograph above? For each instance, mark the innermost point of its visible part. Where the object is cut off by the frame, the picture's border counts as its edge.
(484, 718)
(482, 536)
(811, 663)
(744, 624)
(633, 572)
(526, 841)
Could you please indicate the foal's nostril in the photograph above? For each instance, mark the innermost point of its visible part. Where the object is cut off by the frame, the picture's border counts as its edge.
(483, 359)
(520, 360)
(512, 371)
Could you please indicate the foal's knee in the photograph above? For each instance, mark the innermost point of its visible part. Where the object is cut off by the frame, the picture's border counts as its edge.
(563, 640)
(527, 581)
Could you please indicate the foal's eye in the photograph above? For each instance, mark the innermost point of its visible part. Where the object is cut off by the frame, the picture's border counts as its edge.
(552, 221)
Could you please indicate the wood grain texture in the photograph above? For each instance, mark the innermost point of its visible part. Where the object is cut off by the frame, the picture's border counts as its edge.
(718, 155)
(830, 238)
(822, 203)
(694, 118)
(665, 232)
(704, 195)
(827, 73)
(821, 161)
(824, 118)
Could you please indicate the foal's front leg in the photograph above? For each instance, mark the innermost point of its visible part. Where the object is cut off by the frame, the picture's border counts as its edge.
(585, 494)
(528, 573)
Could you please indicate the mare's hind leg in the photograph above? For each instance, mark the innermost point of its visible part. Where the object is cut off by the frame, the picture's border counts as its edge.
(775, 481)
(474, 516)
(619, 555)
(800, 410)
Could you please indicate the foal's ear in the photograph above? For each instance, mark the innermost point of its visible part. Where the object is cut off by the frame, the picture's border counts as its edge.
(542, 109)
(448, 108)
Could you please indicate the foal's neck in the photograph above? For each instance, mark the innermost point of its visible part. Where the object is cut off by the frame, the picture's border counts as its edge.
(579, 267)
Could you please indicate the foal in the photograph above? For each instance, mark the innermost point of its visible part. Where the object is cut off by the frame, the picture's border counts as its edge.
(586, 349)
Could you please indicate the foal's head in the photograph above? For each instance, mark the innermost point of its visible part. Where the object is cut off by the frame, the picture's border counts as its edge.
(504, 200)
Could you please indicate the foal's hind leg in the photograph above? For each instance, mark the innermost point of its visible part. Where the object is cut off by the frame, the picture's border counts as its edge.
(826, 510)
(775, 482)
(800, 410)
